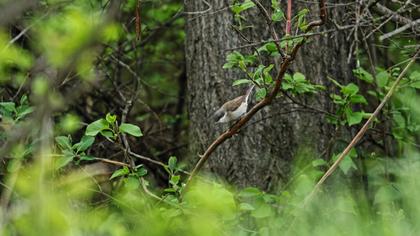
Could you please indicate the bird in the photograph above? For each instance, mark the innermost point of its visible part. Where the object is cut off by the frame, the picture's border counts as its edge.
(232, 110)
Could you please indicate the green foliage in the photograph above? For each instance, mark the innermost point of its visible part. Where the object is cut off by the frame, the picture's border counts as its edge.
(249, 211)
(299, 85)
(269, 48)
(15, 57)
(301, 22)
(71, 152)
(237, 8)
(349, 97)
(277, 14)
(97, 126)
(108, 128)
(120, 172)
(175, 185)
(347, 164)
(236, 59)
(362, 74)
(15, 112)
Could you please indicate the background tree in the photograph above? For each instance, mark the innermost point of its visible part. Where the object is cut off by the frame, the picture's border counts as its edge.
(262, 154)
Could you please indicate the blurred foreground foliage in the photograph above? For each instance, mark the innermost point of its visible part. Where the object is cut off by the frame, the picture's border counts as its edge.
(49, 203)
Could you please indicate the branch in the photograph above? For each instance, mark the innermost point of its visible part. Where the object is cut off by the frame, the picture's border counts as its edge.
(399, 30)
(154, 161)
(361, 132)
(396, 17)
(266, 101)
(118, 163)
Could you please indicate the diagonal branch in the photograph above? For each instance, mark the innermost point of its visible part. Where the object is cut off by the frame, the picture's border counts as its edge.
(399, 30)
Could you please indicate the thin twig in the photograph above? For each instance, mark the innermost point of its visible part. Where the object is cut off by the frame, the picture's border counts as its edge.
(118, 163)
(154, 161)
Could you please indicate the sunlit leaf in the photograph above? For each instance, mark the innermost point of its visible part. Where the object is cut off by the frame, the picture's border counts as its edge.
(97, 126)
(131, 129)
(120, 172)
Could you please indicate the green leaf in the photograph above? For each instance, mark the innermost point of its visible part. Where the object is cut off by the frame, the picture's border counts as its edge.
(63, 142)
(246, 207)
(358, 99)
(299, 77)
(350, 89)
(382, 78)
(228, 65)
(278, 15)
(86, 158)
(261, 93)
(108, 133)
(241, 81)
(362, 74)
(353, 118)
(319, 162)
(97, 126)
(8, 106)
(347, 163)
(131, 183)
(271, 47)
(335, 82)
(141, 171)
(65, 159)
(23, 111)
(175, 179)
(84, 143)
(415, 79)
(264, 210)
(337, 99)
(23, 100)
(111, 118)
(250, 192)
(238, 8)
(301, 23)
(172, 163)
(120, 172)
(131, 129)
(268, 47)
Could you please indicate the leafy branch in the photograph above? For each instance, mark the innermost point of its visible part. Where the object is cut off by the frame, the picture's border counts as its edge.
(264, 102)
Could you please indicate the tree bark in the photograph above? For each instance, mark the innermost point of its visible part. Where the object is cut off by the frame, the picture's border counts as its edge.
(262, 154)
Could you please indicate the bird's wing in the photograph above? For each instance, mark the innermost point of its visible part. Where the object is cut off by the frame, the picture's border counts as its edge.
(234, 104)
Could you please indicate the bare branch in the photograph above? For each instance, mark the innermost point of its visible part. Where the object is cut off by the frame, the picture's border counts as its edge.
(399, 30)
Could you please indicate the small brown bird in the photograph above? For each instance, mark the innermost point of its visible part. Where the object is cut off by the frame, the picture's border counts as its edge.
(233, 109)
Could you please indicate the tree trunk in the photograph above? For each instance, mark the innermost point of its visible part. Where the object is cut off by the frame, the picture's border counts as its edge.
(262, 153)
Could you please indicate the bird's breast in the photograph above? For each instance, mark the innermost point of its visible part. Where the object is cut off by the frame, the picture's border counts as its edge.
(239, 111)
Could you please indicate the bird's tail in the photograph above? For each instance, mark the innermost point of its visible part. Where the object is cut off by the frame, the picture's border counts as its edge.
(218, 114)
(248, 92)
